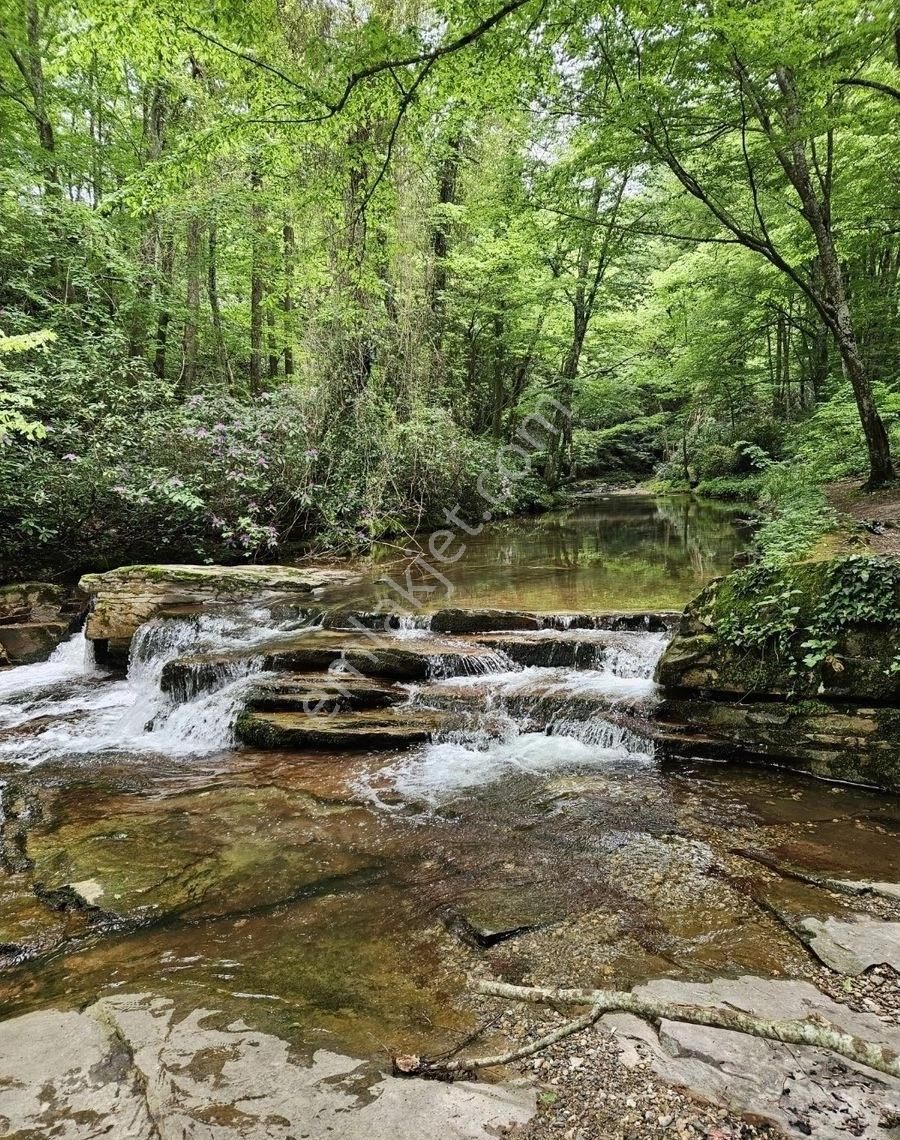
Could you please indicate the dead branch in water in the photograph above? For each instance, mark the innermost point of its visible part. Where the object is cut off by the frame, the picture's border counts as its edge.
(814, 1031)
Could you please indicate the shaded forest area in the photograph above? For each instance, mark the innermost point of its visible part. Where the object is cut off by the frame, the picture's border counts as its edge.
(279, 273)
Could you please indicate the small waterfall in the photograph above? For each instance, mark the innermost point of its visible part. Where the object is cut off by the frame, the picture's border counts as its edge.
(88, 712)
(406, 626)
(447, 665)
(70, 660)
(530, 721)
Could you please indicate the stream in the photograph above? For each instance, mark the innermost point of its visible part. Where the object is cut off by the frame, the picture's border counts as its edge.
(340, 897)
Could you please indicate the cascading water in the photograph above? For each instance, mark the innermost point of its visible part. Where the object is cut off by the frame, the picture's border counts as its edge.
(575, 708)
(68, 706)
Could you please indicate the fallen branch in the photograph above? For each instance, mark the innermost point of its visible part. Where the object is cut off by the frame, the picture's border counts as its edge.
(435, 1069)
(814, 1031)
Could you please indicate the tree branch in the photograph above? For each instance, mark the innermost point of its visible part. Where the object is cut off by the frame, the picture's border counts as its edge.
(817, 1033)
(872, 84)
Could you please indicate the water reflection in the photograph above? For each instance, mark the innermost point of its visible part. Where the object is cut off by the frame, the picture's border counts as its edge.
(618, 552)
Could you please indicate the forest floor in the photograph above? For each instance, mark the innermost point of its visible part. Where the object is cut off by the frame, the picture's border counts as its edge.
(876, 513)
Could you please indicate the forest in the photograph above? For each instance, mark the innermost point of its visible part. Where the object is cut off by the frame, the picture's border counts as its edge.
(290, 274)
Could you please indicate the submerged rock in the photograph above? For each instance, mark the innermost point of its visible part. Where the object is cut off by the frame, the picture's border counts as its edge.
(129, 1067)
(127, 597)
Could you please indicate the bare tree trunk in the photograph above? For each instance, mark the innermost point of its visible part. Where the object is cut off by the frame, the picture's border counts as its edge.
(815, 1032)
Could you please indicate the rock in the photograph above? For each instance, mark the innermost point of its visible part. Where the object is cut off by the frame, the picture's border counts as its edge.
(324, 650)
(202, 854)
(31, 601)
(29, 642)
(129, 1068)
(457, 620)
(858, 743)
(865, 886)
(801, 1090)
(67, 1075)
(301, 692)
(481, 621)
(838, 718)
(34, 618)
(852, 947)
(125, 598)
(369, 730)
(571, 649)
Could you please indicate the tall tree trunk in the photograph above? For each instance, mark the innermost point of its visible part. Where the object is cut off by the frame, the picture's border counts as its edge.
(274, 354)
(212, 289)
(192, 298)
(164, 316)
(34, 76)
(256, 288)
(290, 259)
(447, 180)
(837, 306)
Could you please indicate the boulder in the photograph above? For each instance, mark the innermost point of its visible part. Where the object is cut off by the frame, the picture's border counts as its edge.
(124, 599)
(34, 618)
(28, 642)
(742, 679)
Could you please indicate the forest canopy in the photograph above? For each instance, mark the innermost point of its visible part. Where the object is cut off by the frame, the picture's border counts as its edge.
(295, 271)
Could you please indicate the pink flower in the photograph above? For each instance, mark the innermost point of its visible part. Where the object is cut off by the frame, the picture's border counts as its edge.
(70, 457)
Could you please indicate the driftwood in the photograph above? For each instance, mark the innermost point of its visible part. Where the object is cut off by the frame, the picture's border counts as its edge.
(816, 1032)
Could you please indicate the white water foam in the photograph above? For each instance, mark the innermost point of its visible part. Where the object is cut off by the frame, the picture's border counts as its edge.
(439, 772)
(72, 659)
(495, 746)
(90, 714)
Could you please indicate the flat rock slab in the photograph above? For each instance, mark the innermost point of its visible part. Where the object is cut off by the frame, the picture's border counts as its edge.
(381, 729)
(569, 648)
(300, 692)
(801, 1090)
(127, 597)
(852, 947)
(331, 652)
(128, 1068)
(867, 887)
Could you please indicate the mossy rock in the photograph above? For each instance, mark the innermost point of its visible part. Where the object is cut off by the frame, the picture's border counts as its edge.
(722, 643)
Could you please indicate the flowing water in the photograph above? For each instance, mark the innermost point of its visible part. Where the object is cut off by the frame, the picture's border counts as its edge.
(341, 897)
